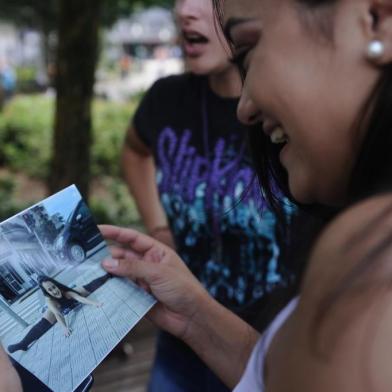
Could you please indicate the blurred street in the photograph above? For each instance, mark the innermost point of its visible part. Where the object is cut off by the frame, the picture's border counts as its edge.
(121, 89)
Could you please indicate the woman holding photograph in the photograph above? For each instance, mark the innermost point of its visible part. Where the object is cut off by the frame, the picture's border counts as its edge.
(187, 165)
(60, 300)
(318, 94)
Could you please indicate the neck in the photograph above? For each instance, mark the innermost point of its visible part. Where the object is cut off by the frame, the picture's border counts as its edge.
(226, 84)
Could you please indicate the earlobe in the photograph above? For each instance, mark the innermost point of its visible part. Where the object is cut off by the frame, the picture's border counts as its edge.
(375, 50)
(379, 30)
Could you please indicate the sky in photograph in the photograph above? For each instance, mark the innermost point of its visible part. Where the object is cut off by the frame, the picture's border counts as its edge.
(63, 202)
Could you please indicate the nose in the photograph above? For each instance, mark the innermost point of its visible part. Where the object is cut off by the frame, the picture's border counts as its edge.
(247, 111)
(187, 9)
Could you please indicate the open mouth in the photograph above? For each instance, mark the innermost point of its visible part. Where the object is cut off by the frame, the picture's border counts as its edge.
(194, 38)
(194, 43)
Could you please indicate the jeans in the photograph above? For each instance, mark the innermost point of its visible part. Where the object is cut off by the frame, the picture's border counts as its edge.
(177, 368)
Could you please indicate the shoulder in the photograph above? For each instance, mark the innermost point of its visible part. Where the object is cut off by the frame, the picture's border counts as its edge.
(169, 100)
(356, 239)
(70, 294)
(339, 334)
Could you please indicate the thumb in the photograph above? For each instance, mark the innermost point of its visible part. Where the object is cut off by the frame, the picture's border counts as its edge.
(133, 269)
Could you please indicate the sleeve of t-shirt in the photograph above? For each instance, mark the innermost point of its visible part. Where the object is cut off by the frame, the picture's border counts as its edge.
(144, 120)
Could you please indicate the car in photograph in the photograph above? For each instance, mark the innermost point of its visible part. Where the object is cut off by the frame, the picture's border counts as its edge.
(79, 235)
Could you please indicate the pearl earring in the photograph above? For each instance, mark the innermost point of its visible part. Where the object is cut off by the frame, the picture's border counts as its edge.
(375, 49)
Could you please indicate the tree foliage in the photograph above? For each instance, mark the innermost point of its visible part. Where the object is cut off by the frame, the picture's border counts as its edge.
(43, 14)
(77, 24)
(37, 14)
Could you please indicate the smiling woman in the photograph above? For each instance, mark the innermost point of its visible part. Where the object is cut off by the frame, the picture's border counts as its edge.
(317, 94)
(187, 164)
(294, 76)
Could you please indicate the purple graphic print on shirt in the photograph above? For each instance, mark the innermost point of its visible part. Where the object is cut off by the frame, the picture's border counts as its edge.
(223, 230)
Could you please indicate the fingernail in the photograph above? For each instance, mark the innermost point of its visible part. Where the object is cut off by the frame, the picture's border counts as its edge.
(110, 263)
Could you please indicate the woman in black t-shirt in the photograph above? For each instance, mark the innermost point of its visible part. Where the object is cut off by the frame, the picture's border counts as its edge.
(186, 162)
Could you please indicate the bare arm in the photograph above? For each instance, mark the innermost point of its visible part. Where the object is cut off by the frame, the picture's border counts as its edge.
(83, 300)
(221, 339)
(139, 173)
(9, 379)
(59, 317)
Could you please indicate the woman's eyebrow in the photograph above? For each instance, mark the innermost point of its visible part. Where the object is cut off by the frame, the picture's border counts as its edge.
(230, 24)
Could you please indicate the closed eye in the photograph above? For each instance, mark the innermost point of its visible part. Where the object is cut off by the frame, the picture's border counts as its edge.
(238, 60)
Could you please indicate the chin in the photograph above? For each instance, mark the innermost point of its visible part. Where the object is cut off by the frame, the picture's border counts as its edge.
(198, 69)
(301, 195)
(199, 66)
(307, 198)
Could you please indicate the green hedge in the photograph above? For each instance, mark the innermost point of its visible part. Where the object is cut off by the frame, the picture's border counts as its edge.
(9, 205)
(26, 134)
(26, 125)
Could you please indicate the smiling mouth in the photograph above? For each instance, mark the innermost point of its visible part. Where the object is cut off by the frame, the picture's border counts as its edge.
(278, 136)
(275, 132)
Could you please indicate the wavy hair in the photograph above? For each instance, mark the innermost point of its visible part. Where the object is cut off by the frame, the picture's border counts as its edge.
(63, 288)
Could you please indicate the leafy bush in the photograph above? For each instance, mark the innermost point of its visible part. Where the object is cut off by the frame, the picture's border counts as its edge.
(110, 121)
(26, 134)
(26, 79)
(8, 204)
(116, 207)
(26, 127)
(26, 74)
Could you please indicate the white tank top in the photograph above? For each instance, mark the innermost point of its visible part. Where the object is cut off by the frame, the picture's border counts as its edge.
(253, 377)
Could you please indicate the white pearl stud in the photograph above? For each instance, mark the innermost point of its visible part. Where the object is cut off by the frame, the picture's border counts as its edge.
(375, 49)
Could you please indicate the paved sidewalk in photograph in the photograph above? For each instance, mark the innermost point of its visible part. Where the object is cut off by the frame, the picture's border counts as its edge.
(63, 362)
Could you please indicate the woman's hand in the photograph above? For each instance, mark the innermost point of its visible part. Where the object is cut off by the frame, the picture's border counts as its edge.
(160, 270)
(9, 379)
(67, 331)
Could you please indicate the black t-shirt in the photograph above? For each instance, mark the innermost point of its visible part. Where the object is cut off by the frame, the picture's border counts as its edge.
(207, 187)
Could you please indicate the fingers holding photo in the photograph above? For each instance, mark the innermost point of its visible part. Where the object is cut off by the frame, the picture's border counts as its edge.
(120, 252)
(133, 239)
(131, 268)
(131, 246)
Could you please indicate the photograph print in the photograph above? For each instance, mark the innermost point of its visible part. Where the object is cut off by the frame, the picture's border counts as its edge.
(60, 312)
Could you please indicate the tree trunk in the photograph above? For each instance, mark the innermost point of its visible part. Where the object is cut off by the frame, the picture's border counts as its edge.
(75, 69)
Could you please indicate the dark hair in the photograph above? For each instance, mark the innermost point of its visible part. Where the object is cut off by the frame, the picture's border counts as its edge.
(61, 287)
(372, 172)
